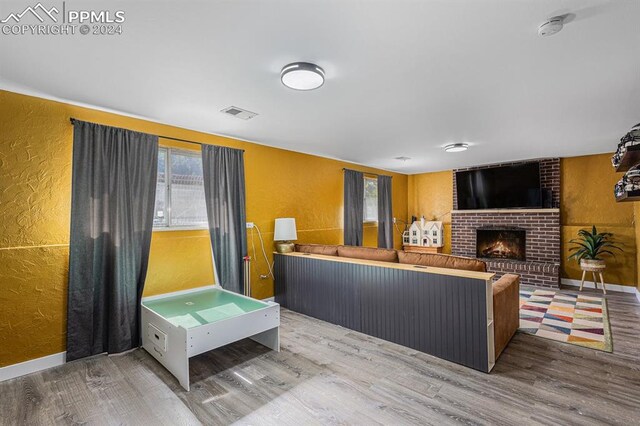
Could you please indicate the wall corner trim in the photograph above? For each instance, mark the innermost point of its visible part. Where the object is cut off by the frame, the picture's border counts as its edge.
(32, 366)
(613, 287)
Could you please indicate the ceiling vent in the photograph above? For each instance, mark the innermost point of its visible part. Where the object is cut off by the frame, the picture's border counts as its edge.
(239, 113)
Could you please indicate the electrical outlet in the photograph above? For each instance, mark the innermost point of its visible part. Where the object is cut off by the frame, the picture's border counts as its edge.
(394, 220)
(264, 276)
(249, 225)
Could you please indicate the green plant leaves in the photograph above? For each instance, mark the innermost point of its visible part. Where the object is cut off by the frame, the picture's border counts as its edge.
(592, 244)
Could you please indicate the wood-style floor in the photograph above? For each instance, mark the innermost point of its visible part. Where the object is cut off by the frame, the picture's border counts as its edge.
(329, 375)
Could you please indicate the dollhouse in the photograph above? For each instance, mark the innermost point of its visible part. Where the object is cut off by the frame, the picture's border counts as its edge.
(425, 234)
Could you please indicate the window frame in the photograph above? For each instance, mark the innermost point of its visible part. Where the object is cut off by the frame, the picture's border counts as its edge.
(366, 221)
(167, 191)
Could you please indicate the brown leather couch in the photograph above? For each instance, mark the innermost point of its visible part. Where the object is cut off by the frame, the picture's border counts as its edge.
(506, 297)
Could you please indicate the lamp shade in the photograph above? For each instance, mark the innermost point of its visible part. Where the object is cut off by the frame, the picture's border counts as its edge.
(285, 229)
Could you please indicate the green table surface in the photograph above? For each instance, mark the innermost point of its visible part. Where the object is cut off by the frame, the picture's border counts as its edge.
(202, 307)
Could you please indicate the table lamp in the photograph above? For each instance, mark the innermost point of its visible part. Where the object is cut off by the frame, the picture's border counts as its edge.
(285, 232)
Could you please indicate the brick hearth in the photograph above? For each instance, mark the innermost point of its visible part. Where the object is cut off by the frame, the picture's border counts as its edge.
(542, 265)
(531, 273)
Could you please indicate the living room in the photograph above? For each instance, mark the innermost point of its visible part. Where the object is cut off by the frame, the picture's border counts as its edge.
(206, 229)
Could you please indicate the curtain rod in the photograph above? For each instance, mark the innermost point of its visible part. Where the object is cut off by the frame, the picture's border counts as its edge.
(366, 173)
(73, 120)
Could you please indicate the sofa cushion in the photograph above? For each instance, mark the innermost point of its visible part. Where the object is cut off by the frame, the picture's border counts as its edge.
(442, 261)
(368, 253)
(324, 249)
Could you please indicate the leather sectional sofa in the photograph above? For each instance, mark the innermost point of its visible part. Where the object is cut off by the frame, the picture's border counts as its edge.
(506, 303)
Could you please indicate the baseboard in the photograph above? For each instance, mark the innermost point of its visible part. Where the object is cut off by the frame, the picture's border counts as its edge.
(32, 366)
(612, 287)
(269, 299)
(638, 294)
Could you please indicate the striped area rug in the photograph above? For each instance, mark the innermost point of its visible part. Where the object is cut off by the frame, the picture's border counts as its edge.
(566, 317)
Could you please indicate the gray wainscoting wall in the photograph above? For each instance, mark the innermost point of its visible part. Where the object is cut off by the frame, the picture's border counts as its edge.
(442, 315)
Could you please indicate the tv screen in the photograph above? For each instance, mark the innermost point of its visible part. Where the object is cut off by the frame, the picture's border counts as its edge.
(504, 187)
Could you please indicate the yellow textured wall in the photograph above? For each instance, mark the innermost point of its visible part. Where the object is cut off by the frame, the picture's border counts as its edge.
(35, 189)
(178, 260)
(587, 199)
(431, 196)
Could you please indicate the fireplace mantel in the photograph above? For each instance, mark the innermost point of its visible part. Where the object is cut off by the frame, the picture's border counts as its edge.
(506, 211)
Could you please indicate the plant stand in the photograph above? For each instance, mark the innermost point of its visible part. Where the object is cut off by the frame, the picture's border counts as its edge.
(594, 268)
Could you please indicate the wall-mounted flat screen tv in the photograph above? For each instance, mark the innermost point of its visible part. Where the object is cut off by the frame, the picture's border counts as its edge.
(503, 187)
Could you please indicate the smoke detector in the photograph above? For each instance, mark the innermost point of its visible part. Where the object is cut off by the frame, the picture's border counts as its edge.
(243, 114)
(551, 26)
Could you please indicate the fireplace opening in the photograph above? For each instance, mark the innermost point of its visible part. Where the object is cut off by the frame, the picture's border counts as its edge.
(495, 243)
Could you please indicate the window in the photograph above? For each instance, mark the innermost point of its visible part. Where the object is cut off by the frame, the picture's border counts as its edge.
(370, 199)
(179, 191)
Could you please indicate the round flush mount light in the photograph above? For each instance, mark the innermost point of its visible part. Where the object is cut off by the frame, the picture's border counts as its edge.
(551, 26)
(302, 76)
(456, 147)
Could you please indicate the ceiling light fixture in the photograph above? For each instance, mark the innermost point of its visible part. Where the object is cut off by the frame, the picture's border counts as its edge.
(302, 76)
(456, 147)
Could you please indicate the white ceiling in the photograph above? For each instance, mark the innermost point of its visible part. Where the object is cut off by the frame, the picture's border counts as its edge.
(404, 78)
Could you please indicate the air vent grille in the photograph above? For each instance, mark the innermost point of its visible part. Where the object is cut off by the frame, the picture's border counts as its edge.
(239, 113)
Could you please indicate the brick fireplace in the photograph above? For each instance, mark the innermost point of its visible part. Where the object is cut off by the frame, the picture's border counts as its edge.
(537, 230)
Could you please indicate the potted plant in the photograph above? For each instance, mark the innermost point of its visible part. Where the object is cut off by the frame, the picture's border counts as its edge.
(591, 247)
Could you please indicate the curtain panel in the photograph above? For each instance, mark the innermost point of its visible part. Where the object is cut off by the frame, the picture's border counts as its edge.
(353, 207)
(224, 189)
(112, 203)
(385, 215)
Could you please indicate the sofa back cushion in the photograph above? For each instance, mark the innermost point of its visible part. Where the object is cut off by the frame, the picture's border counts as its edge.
(442, 261)
(324, 249)
(368, 253)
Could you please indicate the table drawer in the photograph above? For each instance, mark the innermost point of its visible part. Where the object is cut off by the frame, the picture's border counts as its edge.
(157, 337)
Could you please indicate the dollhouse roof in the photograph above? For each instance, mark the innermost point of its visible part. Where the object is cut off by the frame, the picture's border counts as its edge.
(427, 225)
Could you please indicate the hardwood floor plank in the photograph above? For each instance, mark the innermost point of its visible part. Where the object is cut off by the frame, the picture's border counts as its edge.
(153, 392)
(326, 374)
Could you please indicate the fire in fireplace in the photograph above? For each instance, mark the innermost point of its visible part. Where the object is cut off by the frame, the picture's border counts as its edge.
(501, 243)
